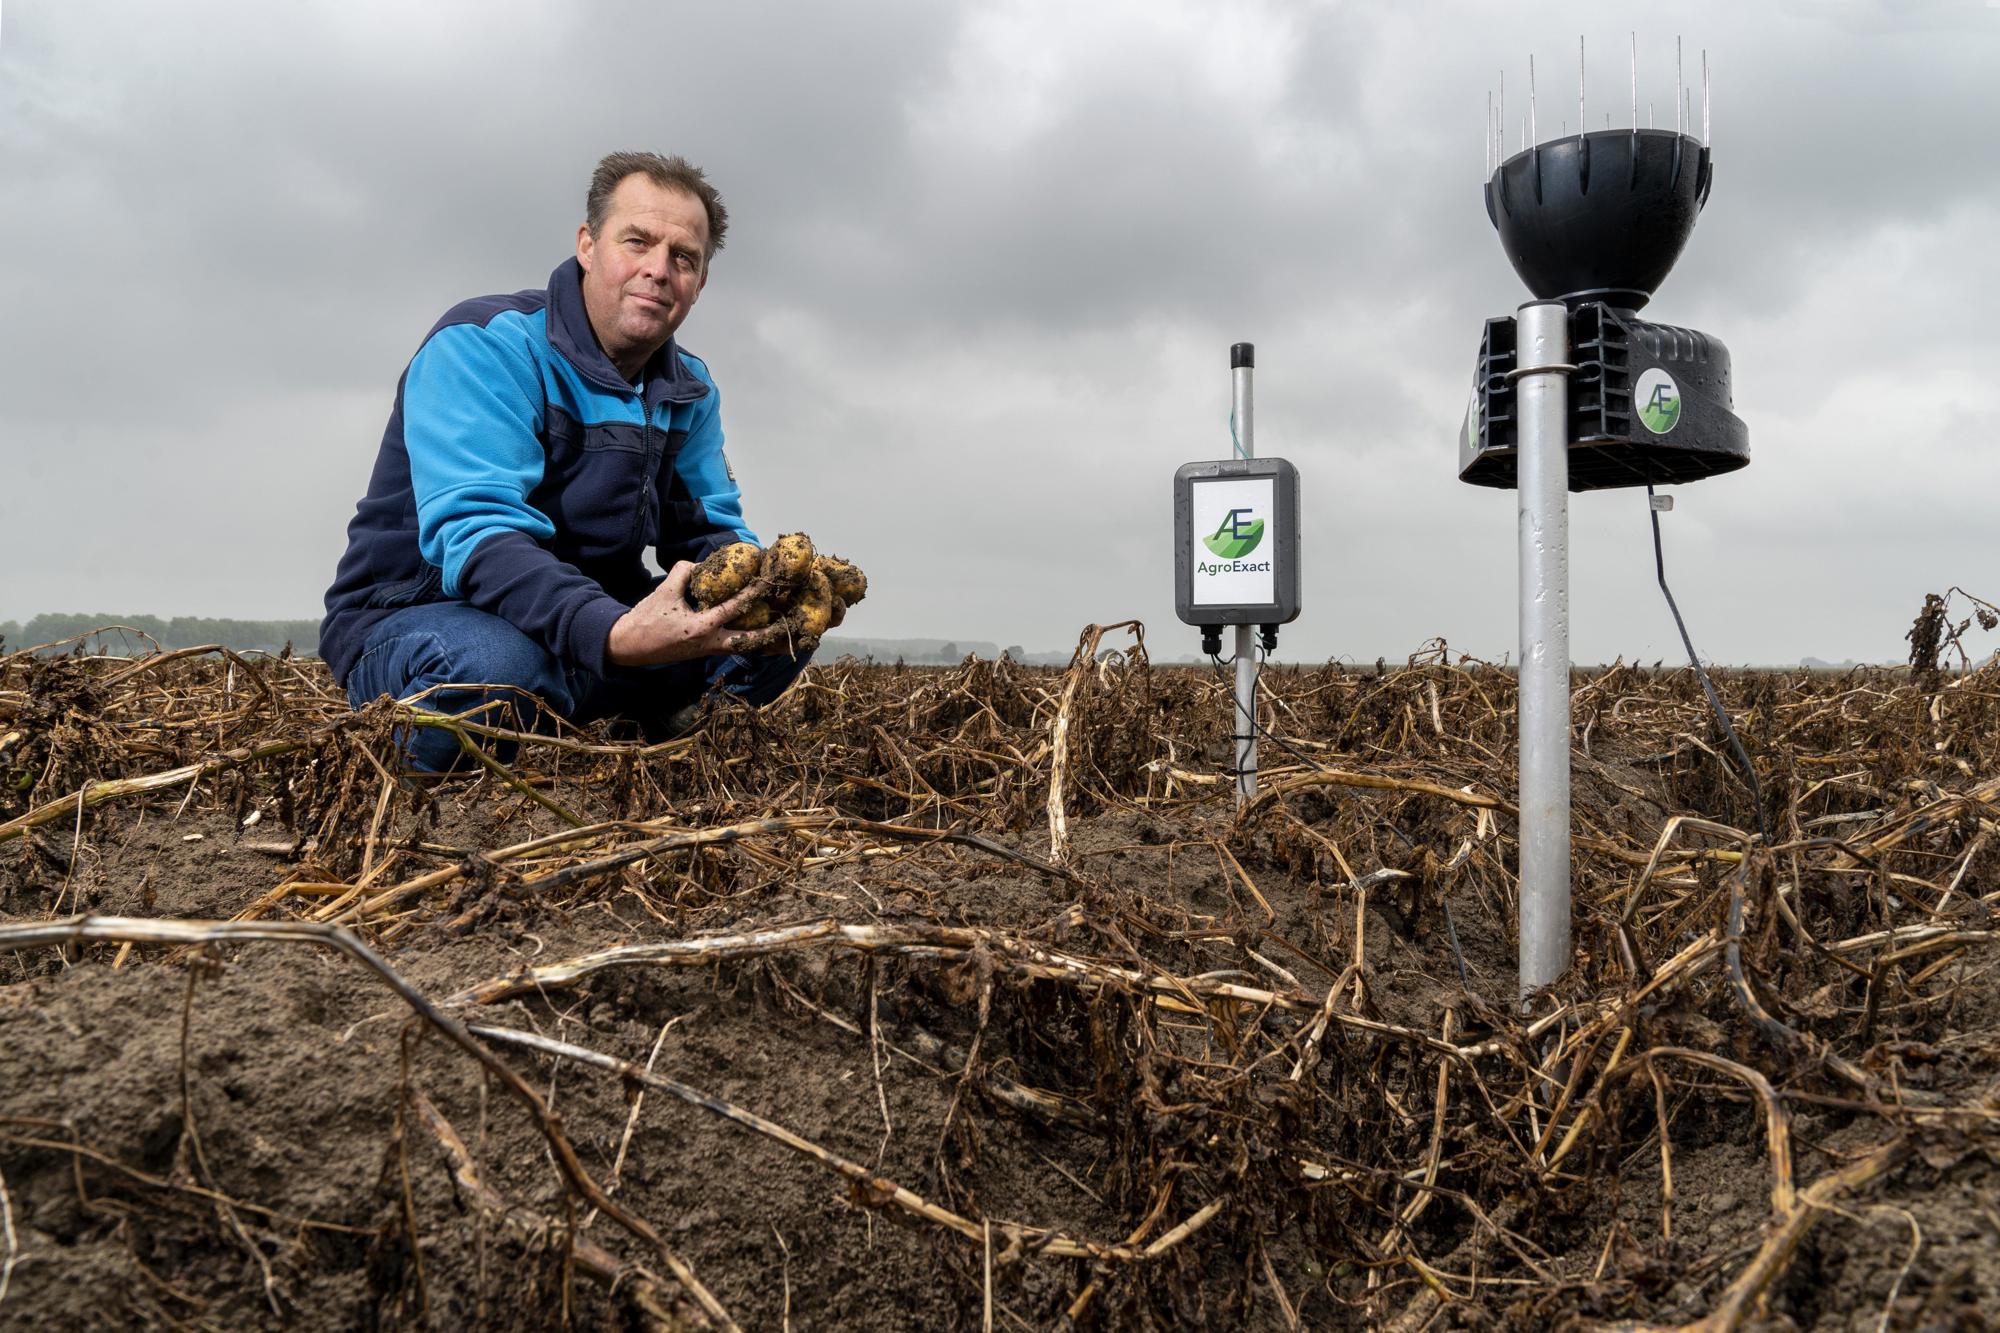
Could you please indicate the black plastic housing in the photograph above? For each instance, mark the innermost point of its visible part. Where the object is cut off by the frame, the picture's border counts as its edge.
(1609, 445)
(1599, 216)
(1282, 551)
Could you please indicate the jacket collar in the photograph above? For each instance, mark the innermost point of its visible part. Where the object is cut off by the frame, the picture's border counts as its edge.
(668, 380)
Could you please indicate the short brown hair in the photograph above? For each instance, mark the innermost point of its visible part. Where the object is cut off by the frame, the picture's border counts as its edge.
(672, 173)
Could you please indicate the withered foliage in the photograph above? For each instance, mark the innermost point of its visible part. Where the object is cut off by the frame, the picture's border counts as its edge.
(1296, 1075)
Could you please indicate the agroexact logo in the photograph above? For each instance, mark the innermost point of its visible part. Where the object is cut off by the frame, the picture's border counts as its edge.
(1237, 536)
(1658, 399)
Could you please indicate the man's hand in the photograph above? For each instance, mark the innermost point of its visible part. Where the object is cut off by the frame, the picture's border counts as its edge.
(664, 628)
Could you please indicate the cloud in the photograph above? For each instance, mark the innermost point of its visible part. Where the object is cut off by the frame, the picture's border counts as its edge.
(985, 265)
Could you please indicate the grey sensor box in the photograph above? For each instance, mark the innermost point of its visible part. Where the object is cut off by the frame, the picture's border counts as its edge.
(1236, 542)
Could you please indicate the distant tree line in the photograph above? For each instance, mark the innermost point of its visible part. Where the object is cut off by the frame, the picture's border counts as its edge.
(127, 635)
(932, 652)
(99, 636)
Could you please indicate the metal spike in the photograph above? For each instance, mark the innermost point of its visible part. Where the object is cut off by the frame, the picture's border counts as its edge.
(1537, 137)
(1678, 127)
(1704, 98)
(1582, 121)
(1635, 81)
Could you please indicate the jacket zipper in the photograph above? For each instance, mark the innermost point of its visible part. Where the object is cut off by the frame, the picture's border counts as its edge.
(649, 480)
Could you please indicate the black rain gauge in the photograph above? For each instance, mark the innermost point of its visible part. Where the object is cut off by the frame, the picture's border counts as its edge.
(1236, 555)
(1575, 392)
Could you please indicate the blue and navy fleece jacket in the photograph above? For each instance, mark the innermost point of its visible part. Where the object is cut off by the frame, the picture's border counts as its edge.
(522, 474)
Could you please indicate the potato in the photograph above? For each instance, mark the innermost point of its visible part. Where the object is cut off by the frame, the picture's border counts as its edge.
(789, 560)
(725, 573)
(813, 614)
(760, 614)
(805, 592)
(850, 585)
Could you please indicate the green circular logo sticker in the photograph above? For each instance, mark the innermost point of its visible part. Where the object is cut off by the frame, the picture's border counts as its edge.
(1658, 399)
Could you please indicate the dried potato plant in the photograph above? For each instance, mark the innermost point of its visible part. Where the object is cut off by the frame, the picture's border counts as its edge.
(987, 955)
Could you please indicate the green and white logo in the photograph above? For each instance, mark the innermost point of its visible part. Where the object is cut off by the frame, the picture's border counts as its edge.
(1658, 399)
(1237, 537)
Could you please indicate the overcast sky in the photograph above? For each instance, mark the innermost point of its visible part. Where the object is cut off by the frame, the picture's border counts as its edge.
(984, 266)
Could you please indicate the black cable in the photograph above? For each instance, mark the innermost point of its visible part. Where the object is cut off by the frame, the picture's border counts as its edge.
(1708, 687)
(1451, 927)
(1258, 728)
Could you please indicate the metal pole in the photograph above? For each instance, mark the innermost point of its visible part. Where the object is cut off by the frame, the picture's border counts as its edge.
(1243, 420)
(1544, 683)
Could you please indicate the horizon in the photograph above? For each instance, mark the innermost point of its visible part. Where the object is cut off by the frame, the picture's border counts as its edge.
(863, 645)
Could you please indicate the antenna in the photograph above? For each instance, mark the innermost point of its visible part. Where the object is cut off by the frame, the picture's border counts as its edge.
(1635, 82)
(1582, 121)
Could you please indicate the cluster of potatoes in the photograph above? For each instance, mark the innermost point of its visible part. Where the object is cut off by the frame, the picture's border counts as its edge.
(808, 593)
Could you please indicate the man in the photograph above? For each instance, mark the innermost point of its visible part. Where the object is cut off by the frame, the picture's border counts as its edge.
(539, 443)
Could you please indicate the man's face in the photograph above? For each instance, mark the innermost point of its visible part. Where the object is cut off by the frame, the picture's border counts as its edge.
(644, 268)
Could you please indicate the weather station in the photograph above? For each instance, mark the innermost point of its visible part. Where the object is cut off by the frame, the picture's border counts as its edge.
(1574, 392)
(1236, 556)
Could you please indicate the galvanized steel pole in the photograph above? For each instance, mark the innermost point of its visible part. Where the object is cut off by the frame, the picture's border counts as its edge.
(1543, 373)
(1243, 422)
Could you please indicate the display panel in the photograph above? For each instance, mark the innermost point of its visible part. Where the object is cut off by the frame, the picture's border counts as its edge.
(1232, 540)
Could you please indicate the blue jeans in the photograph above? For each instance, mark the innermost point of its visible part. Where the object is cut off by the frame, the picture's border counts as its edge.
(451, 643)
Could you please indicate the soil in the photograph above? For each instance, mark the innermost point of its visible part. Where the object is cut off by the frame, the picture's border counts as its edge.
(231, 1135)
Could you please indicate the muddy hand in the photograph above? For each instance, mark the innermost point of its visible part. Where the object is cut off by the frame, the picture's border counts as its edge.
(665, 628)
(774, 639)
